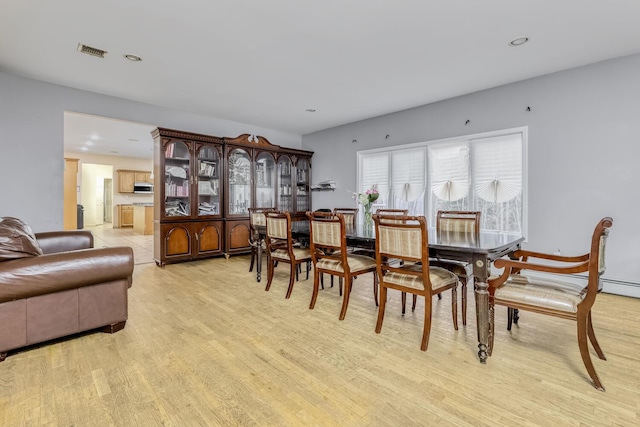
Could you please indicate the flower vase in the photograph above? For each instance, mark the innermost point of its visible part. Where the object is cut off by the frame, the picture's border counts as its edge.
(368, 220)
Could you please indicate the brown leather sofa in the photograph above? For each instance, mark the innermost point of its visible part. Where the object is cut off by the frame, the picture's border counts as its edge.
(55, 284)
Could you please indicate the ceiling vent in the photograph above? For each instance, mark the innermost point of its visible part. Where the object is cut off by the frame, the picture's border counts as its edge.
(91, 50)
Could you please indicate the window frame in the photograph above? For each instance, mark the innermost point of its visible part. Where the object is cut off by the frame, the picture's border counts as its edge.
(523, 130)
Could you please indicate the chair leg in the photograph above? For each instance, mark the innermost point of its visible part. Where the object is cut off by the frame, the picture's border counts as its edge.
(294, 270)
(270, 266)
(464, 301)
(381, 307)
(454, 307)
(592, 338)
(375, 287)
(509, 318)
(583, 320)
(316, 285)
(348, 282)
(404, 302)
(308, 268)
(321, 280)
(413, 304)
(439, 296)
(427, 323)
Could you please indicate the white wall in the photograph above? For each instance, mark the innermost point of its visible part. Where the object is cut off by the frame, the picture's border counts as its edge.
(31, 140)
(583, 158)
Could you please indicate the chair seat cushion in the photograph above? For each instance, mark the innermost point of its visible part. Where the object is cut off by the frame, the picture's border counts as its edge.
(541, 292)
(357, 263)
(456, 267)
(298, 253)
(439, 277)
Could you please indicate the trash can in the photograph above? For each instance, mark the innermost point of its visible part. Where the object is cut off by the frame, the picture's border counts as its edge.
(80, 217)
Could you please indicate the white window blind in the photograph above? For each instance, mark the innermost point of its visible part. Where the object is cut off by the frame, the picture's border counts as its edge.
(408, 180)
(479, 172)
(449, 177)
(497, 176)
(375, 171)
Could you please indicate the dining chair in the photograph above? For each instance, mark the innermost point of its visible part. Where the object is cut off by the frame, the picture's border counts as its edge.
(408, 241)
(280, 248)
(350, 215)
(327, 240)
(456, 227)
(256, 218)
(567, 300)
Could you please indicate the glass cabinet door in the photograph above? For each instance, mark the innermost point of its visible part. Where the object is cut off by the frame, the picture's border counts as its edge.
(239, 182)
(265, 180)
(284, 184)
(302, 185)
(177, 167)
(208, 180)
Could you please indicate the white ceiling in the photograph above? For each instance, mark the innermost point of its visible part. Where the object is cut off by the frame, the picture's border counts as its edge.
(266, 62)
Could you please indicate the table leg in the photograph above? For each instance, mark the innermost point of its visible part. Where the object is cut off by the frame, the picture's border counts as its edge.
(259, 260)
(482, 305)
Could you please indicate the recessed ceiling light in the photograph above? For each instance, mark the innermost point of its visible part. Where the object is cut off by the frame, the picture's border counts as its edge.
(519, 41)
(310, 110)
(134, 58)
(89, 143)
(84, 148)
(95, 137)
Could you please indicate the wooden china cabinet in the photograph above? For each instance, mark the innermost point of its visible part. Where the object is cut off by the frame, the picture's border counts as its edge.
(188, 221)
(204, 186)
(262, 175)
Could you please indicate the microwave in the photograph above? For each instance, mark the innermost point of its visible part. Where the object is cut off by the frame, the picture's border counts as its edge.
(142, 188)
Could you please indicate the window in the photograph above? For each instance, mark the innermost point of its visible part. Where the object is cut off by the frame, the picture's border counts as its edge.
(484, 172)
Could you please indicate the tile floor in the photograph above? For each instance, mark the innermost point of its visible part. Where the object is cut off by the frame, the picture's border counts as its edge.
(106, 236)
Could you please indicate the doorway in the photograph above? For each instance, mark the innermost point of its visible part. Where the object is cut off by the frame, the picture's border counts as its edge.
(108, 200)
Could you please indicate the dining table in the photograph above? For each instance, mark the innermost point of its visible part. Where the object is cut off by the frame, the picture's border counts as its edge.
(479, 253)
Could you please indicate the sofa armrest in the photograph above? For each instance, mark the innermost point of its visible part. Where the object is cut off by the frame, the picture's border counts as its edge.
(28, 277)
(62, 241)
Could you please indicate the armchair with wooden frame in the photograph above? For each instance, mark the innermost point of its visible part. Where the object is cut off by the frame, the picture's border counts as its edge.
(407, 240)
(536, 293)
(328, 244)
(280, 248)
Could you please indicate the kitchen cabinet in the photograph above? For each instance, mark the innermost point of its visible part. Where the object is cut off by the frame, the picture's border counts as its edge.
(125, 215)
(127, 178)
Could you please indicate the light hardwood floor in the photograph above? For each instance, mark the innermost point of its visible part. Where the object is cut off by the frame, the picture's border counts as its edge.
(106, 235)
(205, 345)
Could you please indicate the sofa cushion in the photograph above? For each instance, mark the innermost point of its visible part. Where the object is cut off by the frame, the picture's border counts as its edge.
(17, 240)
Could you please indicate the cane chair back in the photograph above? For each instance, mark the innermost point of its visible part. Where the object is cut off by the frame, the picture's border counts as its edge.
(280, 248)
(328, 245)
(568, 300)
(393, 212)
(407, 240)
(458, 226)
(350, 215)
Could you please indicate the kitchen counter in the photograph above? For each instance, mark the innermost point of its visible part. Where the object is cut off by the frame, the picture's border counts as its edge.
(143, 218)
